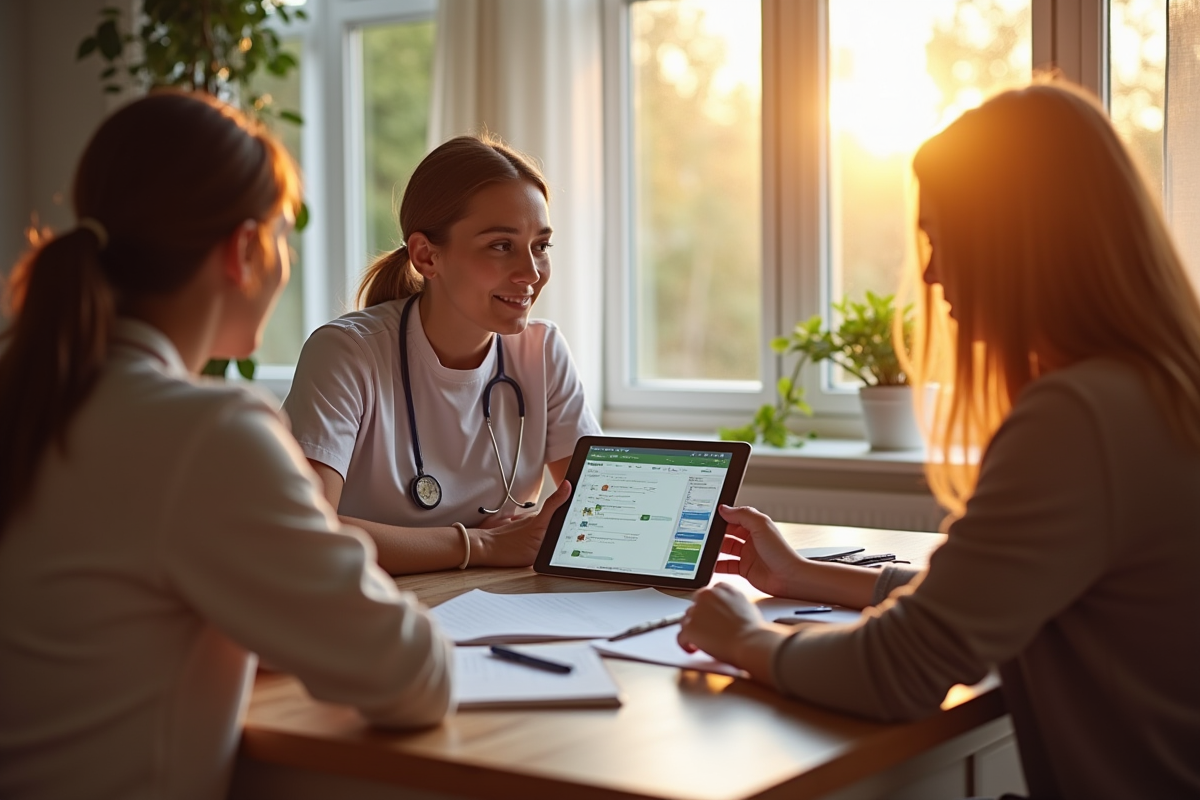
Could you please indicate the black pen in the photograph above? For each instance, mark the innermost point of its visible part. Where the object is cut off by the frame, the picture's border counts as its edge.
(531, 661)
(813, 610)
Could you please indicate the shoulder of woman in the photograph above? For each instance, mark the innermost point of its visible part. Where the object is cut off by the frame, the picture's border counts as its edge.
(1095, 383)
(367, 322)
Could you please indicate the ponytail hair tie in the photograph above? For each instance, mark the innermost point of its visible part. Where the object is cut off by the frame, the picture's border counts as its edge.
(97, 230)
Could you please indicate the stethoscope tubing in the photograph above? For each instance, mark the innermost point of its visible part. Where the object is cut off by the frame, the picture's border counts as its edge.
(501, 377)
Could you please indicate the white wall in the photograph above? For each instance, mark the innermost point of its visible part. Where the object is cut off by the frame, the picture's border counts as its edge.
(49, 105)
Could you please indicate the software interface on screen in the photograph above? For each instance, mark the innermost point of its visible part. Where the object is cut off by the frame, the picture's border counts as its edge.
(642, 510)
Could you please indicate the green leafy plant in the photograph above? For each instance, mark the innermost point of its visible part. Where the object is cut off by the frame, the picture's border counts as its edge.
(213, 46)
(861, 345)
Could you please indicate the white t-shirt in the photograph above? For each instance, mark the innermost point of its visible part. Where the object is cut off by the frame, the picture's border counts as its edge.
(182, 531)
(347, 411)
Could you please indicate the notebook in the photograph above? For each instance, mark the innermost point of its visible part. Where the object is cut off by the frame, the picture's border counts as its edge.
(483, 681)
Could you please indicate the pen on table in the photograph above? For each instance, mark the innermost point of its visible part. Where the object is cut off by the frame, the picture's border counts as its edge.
(813, 610)
(645, 627)
(531, 661)
(798, 615)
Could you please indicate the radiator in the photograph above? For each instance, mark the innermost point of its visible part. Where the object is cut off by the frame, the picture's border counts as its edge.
(908, 512)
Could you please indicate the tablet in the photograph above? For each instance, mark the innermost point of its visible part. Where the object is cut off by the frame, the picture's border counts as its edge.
(644, 511)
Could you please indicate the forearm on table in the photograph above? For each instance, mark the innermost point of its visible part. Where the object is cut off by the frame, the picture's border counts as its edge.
(406, 551)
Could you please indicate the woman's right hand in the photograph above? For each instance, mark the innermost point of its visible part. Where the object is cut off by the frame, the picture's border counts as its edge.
(761, 554)
(516, 543)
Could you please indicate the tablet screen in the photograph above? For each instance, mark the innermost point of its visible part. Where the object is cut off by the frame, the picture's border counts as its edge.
(642, 510)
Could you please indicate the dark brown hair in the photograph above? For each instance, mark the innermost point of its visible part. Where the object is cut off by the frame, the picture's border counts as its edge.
(436, 197)
(162, 182)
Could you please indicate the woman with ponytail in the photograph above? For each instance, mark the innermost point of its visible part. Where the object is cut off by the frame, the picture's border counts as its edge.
(1063, 335)
(389, 402)
(154, 533)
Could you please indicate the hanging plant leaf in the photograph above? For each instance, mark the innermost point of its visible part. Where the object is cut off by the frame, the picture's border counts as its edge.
(216, 367)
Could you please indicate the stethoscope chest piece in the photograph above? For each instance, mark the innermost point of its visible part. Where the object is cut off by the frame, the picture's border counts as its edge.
(426, 491)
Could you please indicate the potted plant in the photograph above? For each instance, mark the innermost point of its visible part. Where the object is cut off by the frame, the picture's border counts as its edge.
(862, 346)
(214, 46)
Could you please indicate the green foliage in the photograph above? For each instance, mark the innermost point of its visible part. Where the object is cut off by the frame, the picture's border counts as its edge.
(205, 45)
(214, 46)
(217, 367)
(770, 421)
(397, 81)
(861, 345)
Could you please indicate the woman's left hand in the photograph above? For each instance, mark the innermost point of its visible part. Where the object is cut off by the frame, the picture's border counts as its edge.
(516, 543)
(725, 624)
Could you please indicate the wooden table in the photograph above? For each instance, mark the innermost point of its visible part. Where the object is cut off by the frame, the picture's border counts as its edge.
(680, 735)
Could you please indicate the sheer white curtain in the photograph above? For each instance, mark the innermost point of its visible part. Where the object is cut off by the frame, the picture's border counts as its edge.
(1181, 168)
(530, 72)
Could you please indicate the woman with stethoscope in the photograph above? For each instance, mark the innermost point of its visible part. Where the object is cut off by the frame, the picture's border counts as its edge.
(431, 412)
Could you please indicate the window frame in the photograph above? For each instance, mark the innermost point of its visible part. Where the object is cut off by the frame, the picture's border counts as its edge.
(797, 281)
(333, 153)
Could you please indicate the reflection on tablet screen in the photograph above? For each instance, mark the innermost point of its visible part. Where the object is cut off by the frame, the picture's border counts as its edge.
(642, 510)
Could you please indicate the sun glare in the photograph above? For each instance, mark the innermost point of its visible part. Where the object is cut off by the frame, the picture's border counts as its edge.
(881, 92)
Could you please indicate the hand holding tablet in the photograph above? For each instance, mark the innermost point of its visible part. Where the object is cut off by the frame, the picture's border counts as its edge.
(644, 511)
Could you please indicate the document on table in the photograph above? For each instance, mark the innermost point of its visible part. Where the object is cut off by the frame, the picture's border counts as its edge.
(483, 681)
(480, 617)
(661, 646)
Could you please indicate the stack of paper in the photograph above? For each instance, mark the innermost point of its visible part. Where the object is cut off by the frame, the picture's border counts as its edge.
(482, 681)
(480, 617)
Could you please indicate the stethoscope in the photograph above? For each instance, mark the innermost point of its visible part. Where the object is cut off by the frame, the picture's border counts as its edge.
(424, 489)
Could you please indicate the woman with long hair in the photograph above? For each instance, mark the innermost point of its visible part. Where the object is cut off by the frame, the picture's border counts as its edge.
(155, 533)
(1064, 336)
(433, 411)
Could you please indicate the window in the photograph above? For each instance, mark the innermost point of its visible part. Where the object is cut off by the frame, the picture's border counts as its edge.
(892, 84)
(697, 173)
(285, 330)
(363, 89)
(397, 73)
(848, 90)
(1137, 75)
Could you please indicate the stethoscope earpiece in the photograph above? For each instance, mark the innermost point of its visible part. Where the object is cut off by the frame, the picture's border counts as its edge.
(425, 490)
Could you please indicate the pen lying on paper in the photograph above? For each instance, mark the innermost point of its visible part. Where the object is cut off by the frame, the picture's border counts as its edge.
(646, 627)
(800, 613)
(531, 661)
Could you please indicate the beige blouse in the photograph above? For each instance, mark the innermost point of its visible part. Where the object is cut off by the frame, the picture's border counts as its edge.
(181, 532)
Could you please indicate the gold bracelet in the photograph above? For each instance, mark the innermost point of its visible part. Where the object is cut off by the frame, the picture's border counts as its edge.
(466, 544)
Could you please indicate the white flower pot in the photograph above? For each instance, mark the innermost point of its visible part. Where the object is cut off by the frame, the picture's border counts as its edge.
(889, 417)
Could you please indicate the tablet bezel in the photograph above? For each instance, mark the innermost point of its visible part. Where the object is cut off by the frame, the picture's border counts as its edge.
(712, 545)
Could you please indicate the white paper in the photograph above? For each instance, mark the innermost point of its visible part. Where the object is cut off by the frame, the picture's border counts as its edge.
(479, 617)
(661, 647)
(773, 608)
(482, 679)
